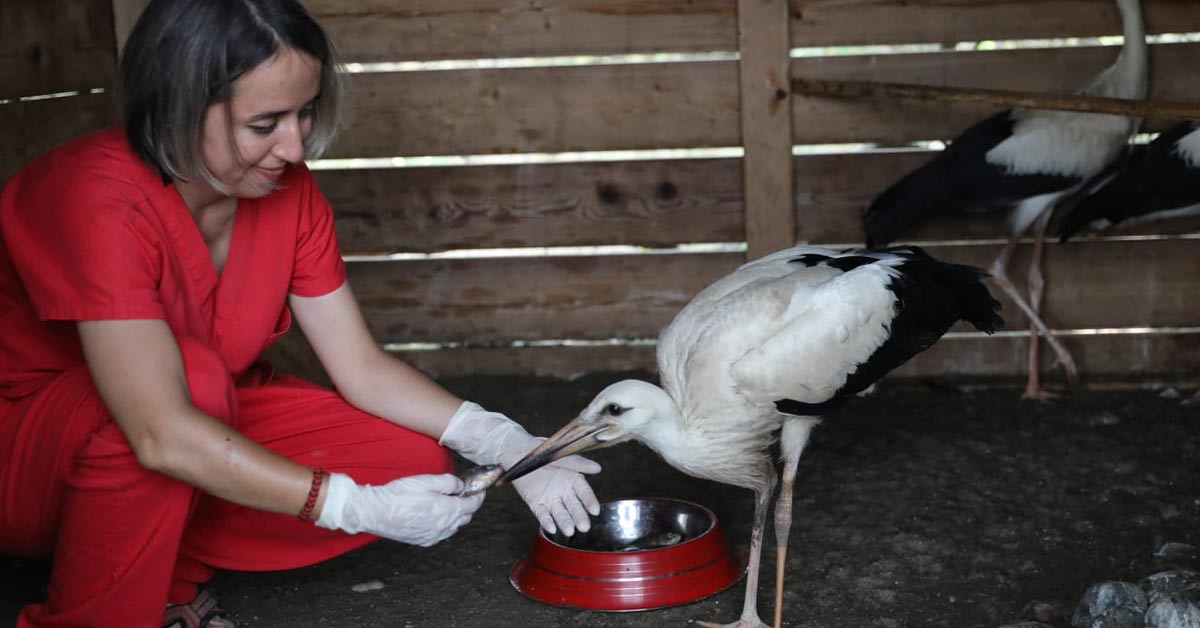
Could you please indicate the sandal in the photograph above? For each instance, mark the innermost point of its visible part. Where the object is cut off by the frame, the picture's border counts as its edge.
(201, 612)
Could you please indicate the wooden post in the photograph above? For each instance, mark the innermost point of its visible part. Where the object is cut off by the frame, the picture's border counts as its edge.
(125, 15)
(766, 121)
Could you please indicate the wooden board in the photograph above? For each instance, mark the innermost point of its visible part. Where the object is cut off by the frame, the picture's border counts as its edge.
(52, 46)
(646, 203)
(1091, 284)
(551, 109)
(1108, 358)
(125, 15)
(500, 300)
(381, 30)
(31, 128)
(843, 23)
(895, 122)
(833, 190)
(487, 301)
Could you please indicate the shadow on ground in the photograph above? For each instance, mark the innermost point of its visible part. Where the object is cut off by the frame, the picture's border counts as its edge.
(931, 508)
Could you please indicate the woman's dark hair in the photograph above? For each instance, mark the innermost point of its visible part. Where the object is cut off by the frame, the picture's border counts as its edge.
(184, 55)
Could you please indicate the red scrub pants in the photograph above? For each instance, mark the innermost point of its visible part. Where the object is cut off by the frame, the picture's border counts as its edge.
(126, 540)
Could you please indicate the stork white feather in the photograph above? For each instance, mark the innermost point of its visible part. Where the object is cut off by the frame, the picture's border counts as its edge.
(1188, 148)
(1075, 144)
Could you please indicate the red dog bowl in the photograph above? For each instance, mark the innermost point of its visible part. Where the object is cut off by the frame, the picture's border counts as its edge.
(640, 554)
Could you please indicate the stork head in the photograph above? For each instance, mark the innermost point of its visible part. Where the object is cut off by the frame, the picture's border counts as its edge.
(626, 410)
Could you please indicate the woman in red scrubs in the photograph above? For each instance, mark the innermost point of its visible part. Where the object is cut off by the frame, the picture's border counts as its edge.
(142, 271)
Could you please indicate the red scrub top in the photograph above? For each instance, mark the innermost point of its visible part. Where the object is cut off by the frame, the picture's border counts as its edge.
(91, 232)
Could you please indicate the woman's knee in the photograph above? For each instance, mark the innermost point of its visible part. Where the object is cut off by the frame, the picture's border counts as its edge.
(397, 452)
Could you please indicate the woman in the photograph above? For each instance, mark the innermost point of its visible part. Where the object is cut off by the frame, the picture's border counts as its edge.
(142, 271)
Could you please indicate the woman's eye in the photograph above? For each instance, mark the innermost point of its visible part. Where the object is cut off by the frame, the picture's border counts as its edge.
(262, 129)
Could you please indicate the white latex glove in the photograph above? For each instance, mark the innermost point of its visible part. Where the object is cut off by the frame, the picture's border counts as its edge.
(558, 494)
(419, 509)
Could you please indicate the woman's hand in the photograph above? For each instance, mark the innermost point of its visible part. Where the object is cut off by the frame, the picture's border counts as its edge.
(558, 494)
(419, 509)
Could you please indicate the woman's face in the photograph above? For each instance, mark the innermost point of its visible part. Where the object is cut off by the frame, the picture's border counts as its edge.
(271, 114)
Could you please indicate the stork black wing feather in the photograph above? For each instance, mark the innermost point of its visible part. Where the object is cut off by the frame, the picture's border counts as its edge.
(930, 297)
(1155, 179)
(956, 180)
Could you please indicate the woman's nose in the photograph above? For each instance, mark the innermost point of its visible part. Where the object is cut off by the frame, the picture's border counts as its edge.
(290, 147)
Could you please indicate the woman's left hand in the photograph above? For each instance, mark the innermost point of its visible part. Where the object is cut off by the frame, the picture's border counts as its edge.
(558, 494)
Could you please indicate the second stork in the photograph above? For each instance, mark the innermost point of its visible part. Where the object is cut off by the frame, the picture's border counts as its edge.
(1025, 161)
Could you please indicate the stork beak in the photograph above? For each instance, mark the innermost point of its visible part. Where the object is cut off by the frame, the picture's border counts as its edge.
(574, 437)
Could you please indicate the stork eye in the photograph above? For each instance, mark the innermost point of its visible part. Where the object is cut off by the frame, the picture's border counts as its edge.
(613, 409)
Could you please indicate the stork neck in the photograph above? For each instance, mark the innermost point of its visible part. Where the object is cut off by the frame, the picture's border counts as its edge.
(666, 432)
(1132, 64)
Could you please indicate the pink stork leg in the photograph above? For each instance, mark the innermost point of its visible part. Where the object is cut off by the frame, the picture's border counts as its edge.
(999, 271)
(1036, 283)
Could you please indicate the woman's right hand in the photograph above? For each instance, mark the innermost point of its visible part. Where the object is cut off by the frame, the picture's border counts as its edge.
(419, 509)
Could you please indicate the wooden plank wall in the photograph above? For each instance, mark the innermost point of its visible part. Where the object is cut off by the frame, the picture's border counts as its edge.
(513, 314)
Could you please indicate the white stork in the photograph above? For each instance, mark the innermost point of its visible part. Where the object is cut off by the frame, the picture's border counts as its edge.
(1025, 161)
(1160, 180)
(764, 351)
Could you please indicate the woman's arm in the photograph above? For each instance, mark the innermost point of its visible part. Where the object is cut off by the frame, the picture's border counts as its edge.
(365, 374)
(139, 374)
(374, 381)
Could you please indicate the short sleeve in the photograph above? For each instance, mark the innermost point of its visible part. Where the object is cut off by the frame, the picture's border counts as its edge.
(319, 268)
(82, 248)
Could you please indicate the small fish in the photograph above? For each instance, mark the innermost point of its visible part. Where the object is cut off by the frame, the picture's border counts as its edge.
(646, 542)
(653, 541)
(479, 479)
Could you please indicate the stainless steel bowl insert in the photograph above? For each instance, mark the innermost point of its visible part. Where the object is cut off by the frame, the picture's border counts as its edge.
(639, 524)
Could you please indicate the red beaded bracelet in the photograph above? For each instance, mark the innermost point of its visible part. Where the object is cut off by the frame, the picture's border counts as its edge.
(313, 492)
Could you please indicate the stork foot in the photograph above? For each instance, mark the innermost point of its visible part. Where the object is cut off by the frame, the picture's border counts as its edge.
(1037, 393)
(744, 622)
(1064, 359)
(1033, 386)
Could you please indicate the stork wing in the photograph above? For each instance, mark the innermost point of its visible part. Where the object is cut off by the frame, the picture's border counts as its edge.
(738, 300)
(825, 332)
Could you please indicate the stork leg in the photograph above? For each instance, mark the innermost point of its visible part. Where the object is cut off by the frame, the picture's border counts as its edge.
(999, 273)
(750, 619)
(1036, 283)
(792, 442)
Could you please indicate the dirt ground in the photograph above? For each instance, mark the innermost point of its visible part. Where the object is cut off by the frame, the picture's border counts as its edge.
(930, 507)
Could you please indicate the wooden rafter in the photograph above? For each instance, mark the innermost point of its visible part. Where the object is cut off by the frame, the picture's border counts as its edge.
(1002, 98)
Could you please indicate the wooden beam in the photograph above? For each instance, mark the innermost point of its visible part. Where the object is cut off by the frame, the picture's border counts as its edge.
(766, 123)
(998, 97)
(125, 15)
(875, 22)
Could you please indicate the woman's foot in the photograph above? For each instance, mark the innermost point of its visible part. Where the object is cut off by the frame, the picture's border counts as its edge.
(201, 612)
